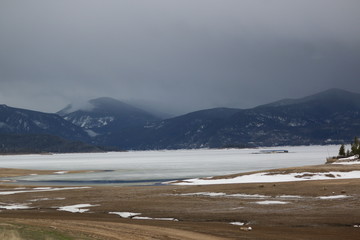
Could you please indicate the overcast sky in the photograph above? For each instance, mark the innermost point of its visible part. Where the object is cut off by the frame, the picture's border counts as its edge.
(181, 55)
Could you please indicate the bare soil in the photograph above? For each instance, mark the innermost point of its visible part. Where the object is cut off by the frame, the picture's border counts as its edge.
(305, 216)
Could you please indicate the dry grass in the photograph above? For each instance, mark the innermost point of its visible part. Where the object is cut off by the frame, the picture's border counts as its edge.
(10, 234)
(307, 217)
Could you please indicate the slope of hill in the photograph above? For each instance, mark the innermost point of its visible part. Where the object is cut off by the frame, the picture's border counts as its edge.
(328, 117)
(40, 143)
(22, 121)
(104, 116)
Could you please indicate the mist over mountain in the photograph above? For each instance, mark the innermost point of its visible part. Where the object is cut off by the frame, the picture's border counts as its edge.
(103, 116)
(329, 117)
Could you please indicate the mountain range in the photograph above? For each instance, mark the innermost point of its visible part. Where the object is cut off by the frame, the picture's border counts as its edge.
(329, 117)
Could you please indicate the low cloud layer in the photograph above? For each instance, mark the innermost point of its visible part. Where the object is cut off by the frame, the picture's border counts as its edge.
(177, 55)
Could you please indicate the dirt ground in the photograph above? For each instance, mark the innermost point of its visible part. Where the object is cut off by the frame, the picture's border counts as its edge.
(298, 210)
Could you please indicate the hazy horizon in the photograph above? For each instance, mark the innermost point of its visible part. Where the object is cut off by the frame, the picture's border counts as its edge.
(175, 56)
(84, 105)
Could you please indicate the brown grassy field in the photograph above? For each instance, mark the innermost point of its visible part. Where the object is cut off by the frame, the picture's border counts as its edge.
(303, 214)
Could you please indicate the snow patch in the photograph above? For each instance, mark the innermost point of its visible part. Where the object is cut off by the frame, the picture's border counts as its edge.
(214, 194)
(240, 195)
(125, 214)
(61, 172)
(159, 219)
(138, 217)
(347, 163)
(91, 133)
(46, 199)
(271, 202)
(40, 124)
(77, 208)
(348, 158)
(39, 199)
(270, 177)
(40, 189)
(15, 206)
(209, 194)
(289, 196)
(237, 223)
(334, 197)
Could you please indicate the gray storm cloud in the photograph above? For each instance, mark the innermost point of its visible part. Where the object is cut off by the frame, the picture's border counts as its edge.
(178, 55)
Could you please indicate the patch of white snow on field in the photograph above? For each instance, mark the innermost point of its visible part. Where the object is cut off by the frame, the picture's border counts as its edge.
(347, 163)
(271, 202)
(208, 194)
(61, 172)
(334, 197)
(159, 219)
(14, 206)
(240, 195)
(289, 196)
(348, 158)
(237, 223)
(214, 194)
(39, 199)
(77, 208)
(125, 214)
(137, 217)
(45, 199)
(271, 177)
(40, 189)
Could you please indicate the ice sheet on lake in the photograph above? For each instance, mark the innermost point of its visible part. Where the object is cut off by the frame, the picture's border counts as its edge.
(163, 165)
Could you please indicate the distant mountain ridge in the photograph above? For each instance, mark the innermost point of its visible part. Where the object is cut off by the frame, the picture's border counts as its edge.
(329, 117)
(22, 121)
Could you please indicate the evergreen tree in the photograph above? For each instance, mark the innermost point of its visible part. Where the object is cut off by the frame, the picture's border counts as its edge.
(342, 151)
(348, 154)
(355, 147)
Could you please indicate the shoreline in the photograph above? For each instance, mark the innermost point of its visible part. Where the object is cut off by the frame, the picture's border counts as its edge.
(321, 209)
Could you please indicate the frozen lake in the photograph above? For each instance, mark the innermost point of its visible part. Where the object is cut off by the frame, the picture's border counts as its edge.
(149, 167)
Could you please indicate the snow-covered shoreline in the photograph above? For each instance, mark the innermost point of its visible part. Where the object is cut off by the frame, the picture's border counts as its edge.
(268, 177)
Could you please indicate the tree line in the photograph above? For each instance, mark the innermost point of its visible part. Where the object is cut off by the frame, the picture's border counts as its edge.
(353, 151)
